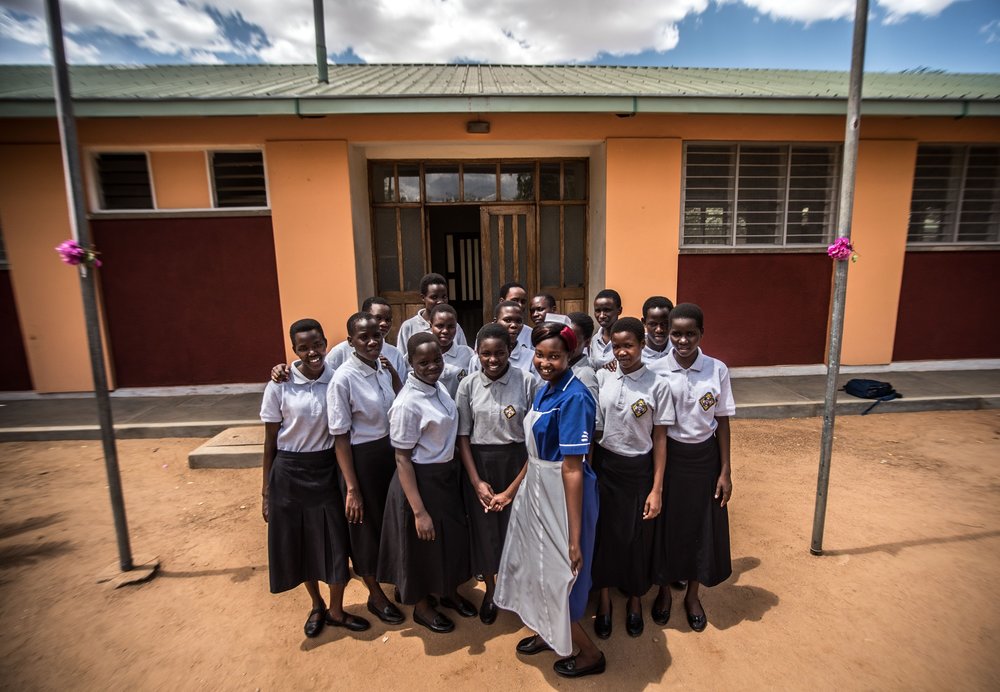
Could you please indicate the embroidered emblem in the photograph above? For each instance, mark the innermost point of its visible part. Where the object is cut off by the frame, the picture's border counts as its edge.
(509, 412)
(461, 375)
(708, 401)
(639, 407)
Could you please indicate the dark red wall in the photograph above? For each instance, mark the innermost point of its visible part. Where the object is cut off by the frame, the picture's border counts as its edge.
(948, 306)
(760, 309)
(190, 301)
(14, 375)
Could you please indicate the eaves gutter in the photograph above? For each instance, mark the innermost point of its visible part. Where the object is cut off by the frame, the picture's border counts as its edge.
(389, 105)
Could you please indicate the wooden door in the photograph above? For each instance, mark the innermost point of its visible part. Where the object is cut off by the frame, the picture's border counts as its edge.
(509, 245)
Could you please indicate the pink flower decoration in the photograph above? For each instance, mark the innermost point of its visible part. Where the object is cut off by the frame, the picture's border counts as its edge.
(842, 250)
(71, 253)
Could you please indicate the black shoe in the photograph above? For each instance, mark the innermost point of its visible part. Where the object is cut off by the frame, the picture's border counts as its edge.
(432, 601)
(440, 623)
(697, 622)
(460, 606)
(602, 625)
(314, 627)
(488, 611)
(351, 622)
(678, 585)
(480, 577)
(567, 668)
(634, 624)
(661, 617)
(391, 615)
(529, 646)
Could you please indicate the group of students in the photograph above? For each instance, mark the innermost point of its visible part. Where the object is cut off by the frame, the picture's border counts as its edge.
(551, 462)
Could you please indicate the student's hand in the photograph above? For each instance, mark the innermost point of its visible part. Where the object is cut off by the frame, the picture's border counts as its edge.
(653, 505)
(425, 526)
(279, 373)
(612, 365)
(263, 505)
(575, 558)
(387, 365)
(485, 494)
(354, 508)
(724, 489)
(500, 502)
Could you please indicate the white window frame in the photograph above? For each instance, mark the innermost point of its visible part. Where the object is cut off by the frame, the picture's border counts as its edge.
(784, 245)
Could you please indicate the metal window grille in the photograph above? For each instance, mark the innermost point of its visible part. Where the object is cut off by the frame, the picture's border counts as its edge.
(956, 195)
(238, 179)
(759, 194)
(123, 181)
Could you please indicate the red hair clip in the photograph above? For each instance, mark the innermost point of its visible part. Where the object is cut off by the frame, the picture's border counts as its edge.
(569, 336)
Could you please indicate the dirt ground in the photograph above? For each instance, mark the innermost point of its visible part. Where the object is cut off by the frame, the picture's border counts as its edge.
(904, 598)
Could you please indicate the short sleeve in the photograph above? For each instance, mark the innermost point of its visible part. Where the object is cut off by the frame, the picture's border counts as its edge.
(460, 336)
(270, 407)
(338, 404)
(576, 423)
(402, 336)
(404, 425)
(663, 402)
(599, 418)
(530, 388)
(463, 402)
(726, 406)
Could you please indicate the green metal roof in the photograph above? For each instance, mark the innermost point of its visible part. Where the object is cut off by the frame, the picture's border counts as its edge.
(276, 89)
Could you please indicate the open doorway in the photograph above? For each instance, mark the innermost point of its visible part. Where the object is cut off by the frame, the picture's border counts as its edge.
(456, 254)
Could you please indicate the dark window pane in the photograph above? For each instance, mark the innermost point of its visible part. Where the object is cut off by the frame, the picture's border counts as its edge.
(442, 183)
(409, 182)
(479, 183)
(385, 249)
(574, 244)
(124, 181)
(239, 179)
(517, 181)
(549, 181)
(574, 180)
(548, 251)
(413, 248)
(383, 183)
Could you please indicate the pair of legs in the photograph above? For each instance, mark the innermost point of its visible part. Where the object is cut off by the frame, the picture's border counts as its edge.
(376, 596)
(634, 604)
(692, 604)
(336, 607)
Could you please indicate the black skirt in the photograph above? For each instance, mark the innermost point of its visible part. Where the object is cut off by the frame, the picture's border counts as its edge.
(692, 537)
(420, 568)
(306, 528)
(374, 464)
(497, 465)
(623, 547)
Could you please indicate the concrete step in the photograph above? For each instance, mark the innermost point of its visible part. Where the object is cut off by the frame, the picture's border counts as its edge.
(233, 448)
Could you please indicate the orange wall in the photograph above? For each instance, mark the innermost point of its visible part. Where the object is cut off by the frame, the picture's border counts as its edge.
(878, 232)
(643, 219)
(180, 180)
(313, 234)
(35, 218)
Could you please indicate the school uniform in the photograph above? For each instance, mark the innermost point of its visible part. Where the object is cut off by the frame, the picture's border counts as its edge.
(491, 414)
(586, 374)
(535, 579)
(450, 378)
(424, 419)
(419, 323)
(358, 402)
(651, 354)
(629, 405)
(306, 529)
(601, 352)
(524, 337)
(460, 357)
(692, 539)
(521, 357)
(336, 356)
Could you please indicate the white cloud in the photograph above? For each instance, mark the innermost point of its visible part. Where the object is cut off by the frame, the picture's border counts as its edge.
(497, 31)
(992, 31)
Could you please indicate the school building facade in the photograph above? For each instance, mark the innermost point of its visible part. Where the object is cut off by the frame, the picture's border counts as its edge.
(228, 201)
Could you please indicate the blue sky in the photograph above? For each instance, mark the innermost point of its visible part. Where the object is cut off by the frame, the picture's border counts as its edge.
(951, 35)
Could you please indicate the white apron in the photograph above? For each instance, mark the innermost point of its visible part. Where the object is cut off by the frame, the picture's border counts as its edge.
(535, 575)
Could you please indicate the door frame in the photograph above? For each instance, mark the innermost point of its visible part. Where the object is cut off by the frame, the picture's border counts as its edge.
(530, 281)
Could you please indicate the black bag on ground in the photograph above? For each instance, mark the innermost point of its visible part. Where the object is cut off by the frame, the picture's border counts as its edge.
(871, 389)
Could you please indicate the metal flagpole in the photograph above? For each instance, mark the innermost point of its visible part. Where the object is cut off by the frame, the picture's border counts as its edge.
(848, 174)
(320, 26)
(81, 232)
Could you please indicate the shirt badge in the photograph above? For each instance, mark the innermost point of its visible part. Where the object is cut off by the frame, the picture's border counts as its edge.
(639, 408)
(461, 375)
(708, 401)
(509, 412)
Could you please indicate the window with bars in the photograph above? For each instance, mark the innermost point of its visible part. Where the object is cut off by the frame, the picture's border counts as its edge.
(123, 181)
(238, 179)
(749, 194)
(956, 195)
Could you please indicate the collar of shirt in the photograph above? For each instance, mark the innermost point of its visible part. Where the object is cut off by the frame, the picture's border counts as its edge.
(297, 377)
(652, 354)
(634, 375)
(560, 384)
(355, 363)
(422, 320)
(503, 379)
(421, 386)
(697, 365)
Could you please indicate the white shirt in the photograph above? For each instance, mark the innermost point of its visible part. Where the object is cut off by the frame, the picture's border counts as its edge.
(585, 373)
(629, 406)
(491, 412)
(358, 401)
(525, 337)
(460, 356)
(700, 393)
(423, 418)
(650, 354)
(418, 323)
(450, 378)
(601, 353)
(342, 351)
(299, 405)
